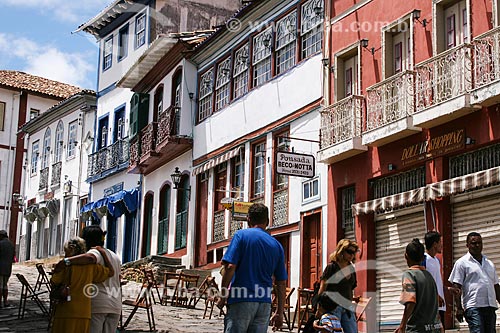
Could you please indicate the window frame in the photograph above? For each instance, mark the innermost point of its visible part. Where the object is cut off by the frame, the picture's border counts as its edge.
(3, 106)
(107, 53)
(285, 43)
(72, 135)
(46, 148)
(59, 142)
(123, 36)
(310, 182)
(140, 31)
(262, 57)
(35, 152)
(342, 58)
(311, 31)
(241, 72)
(400, 31)
(205, 96)
(223, 84)
(258, 162)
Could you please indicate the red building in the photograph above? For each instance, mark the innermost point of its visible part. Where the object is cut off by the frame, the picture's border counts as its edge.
(410, 131)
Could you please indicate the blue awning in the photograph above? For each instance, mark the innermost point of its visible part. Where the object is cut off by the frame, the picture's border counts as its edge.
(116, 204)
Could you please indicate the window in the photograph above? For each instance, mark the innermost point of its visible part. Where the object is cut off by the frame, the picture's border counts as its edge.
(398, 57)
(103, 133)
(240, 72)
(119, 125)
(346, 82)
(2, 116)
(311, 27)
(34, 157)
(259, 171)
(282, 144)
(71, 145)
(465, 28)
(176, 99)
(348, 197)
(286, 46)
(163, 222)
(140, 30)
(238, 175)
(262, 57)
(46, 149)
(450, 31)
(310, 190)
(205, 93)
(59, 142)
(158, 102)
(123, 43)
(452, 24)
(34, 113)
(108, 53)
(222, 84)
(397, 49)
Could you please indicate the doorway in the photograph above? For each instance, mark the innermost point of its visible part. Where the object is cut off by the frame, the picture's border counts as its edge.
(311, 250)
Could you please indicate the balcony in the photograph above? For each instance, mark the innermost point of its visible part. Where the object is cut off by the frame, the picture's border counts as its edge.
(108, 160)
(43, 182)
(443, 85)
(340, 133)
(487, 68)
(390, 104)
(159, 143)
(55, 180)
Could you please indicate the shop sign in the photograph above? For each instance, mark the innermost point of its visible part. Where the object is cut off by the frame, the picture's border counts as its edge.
(240, 210)
(294, 164)
(113, 189)
(433, 147)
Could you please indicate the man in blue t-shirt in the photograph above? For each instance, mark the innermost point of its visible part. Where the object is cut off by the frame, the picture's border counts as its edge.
(252, 259)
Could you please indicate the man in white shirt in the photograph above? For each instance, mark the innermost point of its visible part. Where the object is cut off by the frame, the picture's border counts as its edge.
(434, 246)
(107, 299)
(477, 278)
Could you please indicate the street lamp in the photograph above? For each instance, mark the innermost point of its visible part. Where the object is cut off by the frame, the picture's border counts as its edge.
(176, 179)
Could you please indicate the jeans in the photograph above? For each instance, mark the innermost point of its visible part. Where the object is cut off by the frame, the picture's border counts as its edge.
(347, 319)
(247, 317)
(481, 320)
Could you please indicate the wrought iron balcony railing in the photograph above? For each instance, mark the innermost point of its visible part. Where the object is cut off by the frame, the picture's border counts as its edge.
(109, 157)
(487, 58)
(56, 174)
(341, 121)
(43, 183)
(390, 100)
(280, 207)
(219, 226)
(148, 139)
(168, 124)
(444, 77)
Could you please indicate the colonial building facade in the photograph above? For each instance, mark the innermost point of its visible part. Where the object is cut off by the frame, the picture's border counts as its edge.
(412, 103)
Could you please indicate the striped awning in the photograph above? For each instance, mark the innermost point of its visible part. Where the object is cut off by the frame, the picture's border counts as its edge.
(398, 200)
(216, 161)
(463, 183)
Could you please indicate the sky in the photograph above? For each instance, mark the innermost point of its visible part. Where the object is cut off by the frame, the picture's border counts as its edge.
(36, 37)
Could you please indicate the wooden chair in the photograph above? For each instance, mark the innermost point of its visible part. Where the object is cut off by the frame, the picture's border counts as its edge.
(303, 308)
(170, 283)
(202, 290)
(142, 301)
(149, 275)
(186, 291)
(287, 307)
(361, 305)
(27, 292)
(42, 279)
(212, 292)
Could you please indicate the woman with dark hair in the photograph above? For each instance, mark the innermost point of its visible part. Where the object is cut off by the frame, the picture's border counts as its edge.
(73, 315)
(338, 282)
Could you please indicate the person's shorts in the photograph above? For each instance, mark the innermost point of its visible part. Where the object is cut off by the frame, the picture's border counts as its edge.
(4, 279)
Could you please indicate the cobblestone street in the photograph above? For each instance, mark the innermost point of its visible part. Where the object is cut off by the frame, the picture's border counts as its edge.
(168, 318)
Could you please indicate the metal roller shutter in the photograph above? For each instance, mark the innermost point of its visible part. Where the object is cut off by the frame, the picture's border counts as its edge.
(393, 234)
(480, 215)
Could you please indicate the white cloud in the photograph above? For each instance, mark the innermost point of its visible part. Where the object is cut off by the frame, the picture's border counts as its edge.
(47, 61)
(78, 11)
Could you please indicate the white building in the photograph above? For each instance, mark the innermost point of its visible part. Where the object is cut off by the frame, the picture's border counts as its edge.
(22, 97)
(124, 31)
(59, 141)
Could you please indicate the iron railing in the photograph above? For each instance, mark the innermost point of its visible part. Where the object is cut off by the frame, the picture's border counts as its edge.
(280, 207)
(444, 77)
(474, 161)
(43, 183)
(487, 58)
(390, 100)
(168, 124)
(56, 174)
(341, 121)
(109, 157)
(148, 139)
(219, 226)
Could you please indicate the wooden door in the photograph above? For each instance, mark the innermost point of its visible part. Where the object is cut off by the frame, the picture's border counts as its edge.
(311, 250)
(201, 220)
(285, 243)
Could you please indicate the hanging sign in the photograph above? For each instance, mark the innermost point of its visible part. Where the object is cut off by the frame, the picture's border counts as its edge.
(240, 210)
(294, 164)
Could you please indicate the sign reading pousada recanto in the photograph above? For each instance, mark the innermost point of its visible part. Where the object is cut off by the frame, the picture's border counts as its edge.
(294, 164)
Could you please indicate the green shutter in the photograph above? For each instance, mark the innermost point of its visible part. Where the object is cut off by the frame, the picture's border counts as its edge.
(134, 109)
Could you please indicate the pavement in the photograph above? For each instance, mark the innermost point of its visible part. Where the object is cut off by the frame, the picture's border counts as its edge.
(168, 319)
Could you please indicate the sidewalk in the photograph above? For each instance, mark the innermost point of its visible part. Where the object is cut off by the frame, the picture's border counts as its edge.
(168, 319)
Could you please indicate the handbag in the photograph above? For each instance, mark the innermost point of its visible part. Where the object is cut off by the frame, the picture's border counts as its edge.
(62, 293)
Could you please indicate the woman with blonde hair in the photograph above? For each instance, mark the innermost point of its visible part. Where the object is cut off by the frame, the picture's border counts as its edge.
(339, 280)
(73, 315)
